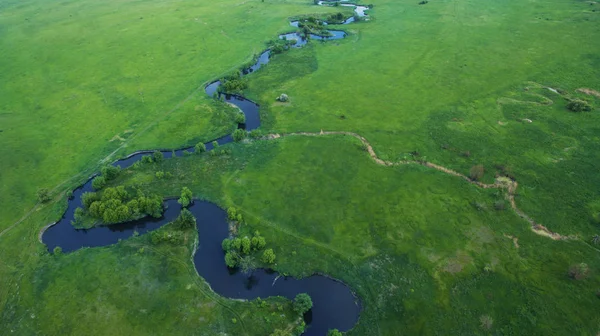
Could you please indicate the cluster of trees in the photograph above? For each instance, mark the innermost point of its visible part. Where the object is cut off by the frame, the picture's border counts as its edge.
(234, 215)
(116, 205)
(233, 83)
(184, 221)
(155, 157)
(238, 251)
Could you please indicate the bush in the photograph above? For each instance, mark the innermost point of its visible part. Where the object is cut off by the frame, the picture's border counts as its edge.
(43, 195)
(268, 256)
(578, 105)
(334, 332)
(476, 172)
(185, 220)
(240, 118)
(160, 174)
(239, 135)
(186, 197)
(302, 303)
(215, 144)
(578, 271)
(255, 134)
(57, 250)
(226, 244)
(499, 205)
(147, 159)
(283, 98)
(200, 148)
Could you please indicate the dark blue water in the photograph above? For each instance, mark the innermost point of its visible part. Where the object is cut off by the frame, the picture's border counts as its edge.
(334, 304)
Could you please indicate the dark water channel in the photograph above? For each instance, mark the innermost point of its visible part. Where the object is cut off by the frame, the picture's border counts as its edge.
(335, 306)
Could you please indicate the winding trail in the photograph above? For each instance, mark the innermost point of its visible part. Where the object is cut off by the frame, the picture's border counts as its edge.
(510, 186)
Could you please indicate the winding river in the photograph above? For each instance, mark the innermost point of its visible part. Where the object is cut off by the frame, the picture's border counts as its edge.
(335, 306)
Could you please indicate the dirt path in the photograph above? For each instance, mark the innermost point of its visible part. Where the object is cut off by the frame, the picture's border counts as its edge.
(505, 183)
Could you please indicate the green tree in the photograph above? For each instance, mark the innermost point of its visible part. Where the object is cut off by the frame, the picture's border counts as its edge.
(98, 182)
(239, 135)
(334, 332)
(186, 220)
(240, 118)
(302, 303)
(215, 144)
(158, 156)
(246, 245)
(43, 195)
(231, 259)
(231, 213)
(226, 244)
(247, 264)
(186, 197)
(200, 148)
(268, 256)
(109, 172)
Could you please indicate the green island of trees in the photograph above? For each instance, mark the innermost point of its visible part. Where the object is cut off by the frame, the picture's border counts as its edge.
(116, 205)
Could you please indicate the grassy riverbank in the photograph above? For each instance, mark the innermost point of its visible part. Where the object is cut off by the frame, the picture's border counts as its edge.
(425, 251)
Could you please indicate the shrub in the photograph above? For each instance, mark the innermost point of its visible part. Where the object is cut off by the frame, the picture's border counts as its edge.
(268, 256)
(200, 148)
(334, 332)
(240, 118)
(215, 144)
(255, 134)
(476, 172)
(226, 244)
(499, 205)
(578, 105)
(160, 174)
(43, 195)
(239, 135)
(283, 97)
(186, 197)
(302, 303)
(147, 159)
(57, 250)
(578, 271)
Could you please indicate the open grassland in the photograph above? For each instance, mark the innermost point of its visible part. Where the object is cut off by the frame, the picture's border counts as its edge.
(458, 82)
(426, 252)
(81, 79)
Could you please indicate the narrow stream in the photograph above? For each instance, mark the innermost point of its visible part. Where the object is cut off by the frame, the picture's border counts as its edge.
(335, 306)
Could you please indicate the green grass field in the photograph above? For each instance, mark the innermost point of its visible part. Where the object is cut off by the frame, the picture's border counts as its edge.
(460, 82)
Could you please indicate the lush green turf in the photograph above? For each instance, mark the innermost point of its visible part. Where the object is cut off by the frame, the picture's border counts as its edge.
(82, 79)
(408, 239)
(425, 78)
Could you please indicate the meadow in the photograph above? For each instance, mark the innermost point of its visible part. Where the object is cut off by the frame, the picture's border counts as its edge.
(456, 83)
(426, 252)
